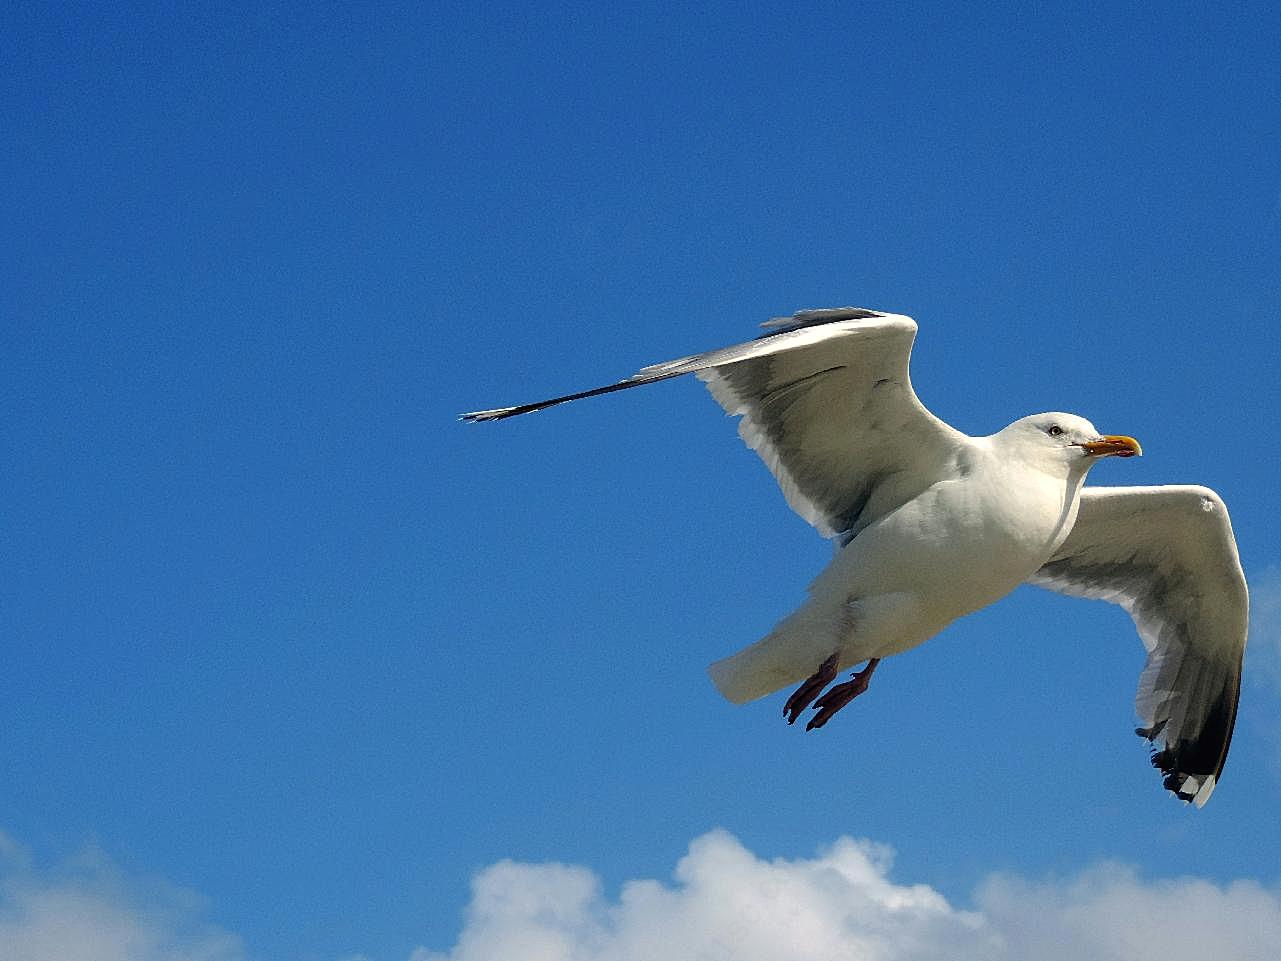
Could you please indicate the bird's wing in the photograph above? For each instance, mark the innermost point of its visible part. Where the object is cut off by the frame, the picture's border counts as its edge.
(827, 403)
(1167, 555)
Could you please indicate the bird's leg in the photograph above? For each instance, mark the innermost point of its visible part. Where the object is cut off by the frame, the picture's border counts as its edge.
(802, 696)
(842, 694)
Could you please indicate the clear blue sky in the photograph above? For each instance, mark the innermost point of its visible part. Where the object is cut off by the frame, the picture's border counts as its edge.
(278, 631)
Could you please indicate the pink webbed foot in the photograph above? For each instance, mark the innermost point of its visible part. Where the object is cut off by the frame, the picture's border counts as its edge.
(841, 694)
(804, 694)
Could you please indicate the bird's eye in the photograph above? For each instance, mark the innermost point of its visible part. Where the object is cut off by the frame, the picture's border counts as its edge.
(1055, 430)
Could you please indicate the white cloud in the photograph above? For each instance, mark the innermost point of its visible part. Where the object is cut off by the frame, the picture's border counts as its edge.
(728, 905)
(723, 904)
(85, 911)
(1110, 914)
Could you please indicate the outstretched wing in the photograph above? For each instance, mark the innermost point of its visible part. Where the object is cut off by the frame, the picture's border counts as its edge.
(1167, 555)
(827, 403)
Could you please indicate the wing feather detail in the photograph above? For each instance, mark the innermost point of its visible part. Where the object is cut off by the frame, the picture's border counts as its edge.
(827, 402)
(1167, 555)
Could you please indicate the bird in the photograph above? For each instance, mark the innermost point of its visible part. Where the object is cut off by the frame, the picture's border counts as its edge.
(931, 524)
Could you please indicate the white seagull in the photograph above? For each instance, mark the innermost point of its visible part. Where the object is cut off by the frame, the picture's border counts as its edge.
(932, 524)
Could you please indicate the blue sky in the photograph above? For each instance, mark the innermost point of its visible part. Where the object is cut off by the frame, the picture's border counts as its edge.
(293, 659)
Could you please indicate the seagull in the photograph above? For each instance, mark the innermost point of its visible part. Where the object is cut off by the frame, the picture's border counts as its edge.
(931, 524)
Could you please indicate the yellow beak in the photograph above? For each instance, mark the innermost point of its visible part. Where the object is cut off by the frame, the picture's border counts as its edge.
(1117, 444)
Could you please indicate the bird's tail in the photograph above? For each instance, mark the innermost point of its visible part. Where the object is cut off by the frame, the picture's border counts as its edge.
(786, 655)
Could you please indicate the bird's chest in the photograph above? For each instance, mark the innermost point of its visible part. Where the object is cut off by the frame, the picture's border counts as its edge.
(1026, 521)
(974, 541)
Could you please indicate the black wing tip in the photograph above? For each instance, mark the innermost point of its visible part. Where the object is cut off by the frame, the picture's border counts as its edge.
(1192, 765)
(481, 416)
(1182, 776)
(636, 380)
(1187, 786)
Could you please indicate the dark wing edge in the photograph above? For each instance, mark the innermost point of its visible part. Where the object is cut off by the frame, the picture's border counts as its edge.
(827, 403)
(780, 331)
(1167, 556)
(501, 413)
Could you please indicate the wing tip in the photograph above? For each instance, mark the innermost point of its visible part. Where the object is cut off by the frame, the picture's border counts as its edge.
(1191, 788)
(1203, 793)
(481, 416)
(1188, 786)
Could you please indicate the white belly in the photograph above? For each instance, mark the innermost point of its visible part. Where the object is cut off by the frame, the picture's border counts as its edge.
(956, 548)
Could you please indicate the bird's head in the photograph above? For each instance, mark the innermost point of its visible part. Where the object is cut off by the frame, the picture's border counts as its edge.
(1058, 438)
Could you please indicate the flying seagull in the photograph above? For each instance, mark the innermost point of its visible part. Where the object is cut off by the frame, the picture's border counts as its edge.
(932, 524)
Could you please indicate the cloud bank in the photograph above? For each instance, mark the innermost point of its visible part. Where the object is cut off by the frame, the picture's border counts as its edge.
(726, 904)
(723, 904)
(84, 910)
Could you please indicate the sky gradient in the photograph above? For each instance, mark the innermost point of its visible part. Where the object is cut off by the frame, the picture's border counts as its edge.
(294, 659)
